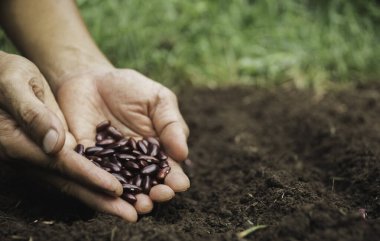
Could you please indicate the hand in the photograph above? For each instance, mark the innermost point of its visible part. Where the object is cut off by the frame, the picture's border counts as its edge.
(31, 125)
(135, 105)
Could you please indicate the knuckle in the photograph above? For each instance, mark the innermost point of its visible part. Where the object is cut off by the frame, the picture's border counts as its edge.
(66, 188)
(29, 114)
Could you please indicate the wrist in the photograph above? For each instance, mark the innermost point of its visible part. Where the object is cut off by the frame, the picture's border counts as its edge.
(71, 62)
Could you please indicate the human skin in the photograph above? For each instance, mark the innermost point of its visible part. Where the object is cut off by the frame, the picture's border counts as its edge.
(89, 89)
(27, 111)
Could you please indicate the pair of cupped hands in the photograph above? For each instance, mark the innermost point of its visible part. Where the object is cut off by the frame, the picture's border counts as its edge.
(40, 126)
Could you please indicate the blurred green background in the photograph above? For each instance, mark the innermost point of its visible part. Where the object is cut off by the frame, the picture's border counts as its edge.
(310, 43)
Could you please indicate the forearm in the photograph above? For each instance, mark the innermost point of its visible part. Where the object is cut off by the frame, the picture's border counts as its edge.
(52, 35)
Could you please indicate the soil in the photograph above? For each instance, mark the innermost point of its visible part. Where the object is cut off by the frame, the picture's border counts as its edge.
(302, 163)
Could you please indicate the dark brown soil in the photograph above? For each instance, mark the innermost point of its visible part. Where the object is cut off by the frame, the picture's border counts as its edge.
(301, 163)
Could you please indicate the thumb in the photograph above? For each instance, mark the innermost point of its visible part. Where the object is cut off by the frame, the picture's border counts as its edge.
(25, 101)
(170, 126)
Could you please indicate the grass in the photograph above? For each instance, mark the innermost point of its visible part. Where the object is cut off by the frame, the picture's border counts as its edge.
(264, 42)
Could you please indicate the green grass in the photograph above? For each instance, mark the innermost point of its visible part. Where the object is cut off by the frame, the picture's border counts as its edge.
(263, 42)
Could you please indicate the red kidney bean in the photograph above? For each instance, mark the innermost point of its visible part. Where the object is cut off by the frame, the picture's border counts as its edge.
(131, 166)
(123, 156)
(125, 149)
(118, 145)
(138, 165)
(103, 125)
(126, 173)
(129, 198)
(79, 149)
(147, 158)
(149, 169)
(137, 180)
(164, 164)
(95, 158)
(132, 143)
(105, 152)
(131, 188)
(146, 143)
(153, 150)
(120, 178)
(97, 164)
(100, 136)
(115, 133)
(115, 161)
(162, 156)
(143, 163)
(92, 150)
(146, 184)
(163, 173)
(142, 147)
(105, 142)
(136, 153)
(153, 141)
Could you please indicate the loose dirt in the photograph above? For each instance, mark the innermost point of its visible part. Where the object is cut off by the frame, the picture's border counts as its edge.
(301, 163)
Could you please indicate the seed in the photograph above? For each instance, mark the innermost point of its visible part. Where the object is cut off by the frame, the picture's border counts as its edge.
(146, 158)
(154, 150)
(132, 143)
(123, 156)
(164, 164)
(163, 173)
(103, 125)
(146, 184)
(162, 156)
(105, 152)
(100, 136)
(97, 164)
(129, 198)
(125, 149)
(112, 166)
(149, 169)
(153, 141)
(137, 165)
(137, 180)
(95, 158)
(79, 149)
(136, 152)
(131, 188)
(120, 178)
(114, 132)
(154, 182)
(143, 163)
(131, 166)
(105, 142)
(119, 144)
(115, 161)
(92, 150)
(146, 143)
(142, 147)
(126, 173)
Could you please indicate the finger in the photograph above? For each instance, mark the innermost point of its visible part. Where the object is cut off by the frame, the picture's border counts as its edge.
(81, 169)
(177, 179)
(161, 193)
(97, 201)
(18, 147)
(170, 126)
(143, 204)
(24, 99)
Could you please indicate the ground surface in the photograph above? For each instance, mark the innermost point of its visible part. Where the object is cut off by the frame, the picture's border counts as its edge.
(300, 163)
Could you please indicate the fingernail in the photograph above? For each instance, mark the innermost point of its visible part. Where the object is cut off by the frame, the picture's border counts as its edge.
(50, 140)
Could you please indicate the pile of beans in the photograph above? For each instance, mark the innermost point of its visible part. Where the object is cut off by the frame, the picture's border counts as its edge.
(137, 164)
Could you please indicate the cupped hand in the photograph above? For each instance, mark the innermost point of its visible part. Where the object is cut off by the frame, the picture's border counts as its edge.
(34, 138)
(135, 105)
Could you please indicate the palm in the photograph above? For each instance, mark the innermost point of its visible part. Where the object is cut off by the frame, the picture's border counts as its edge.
(123, 97)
